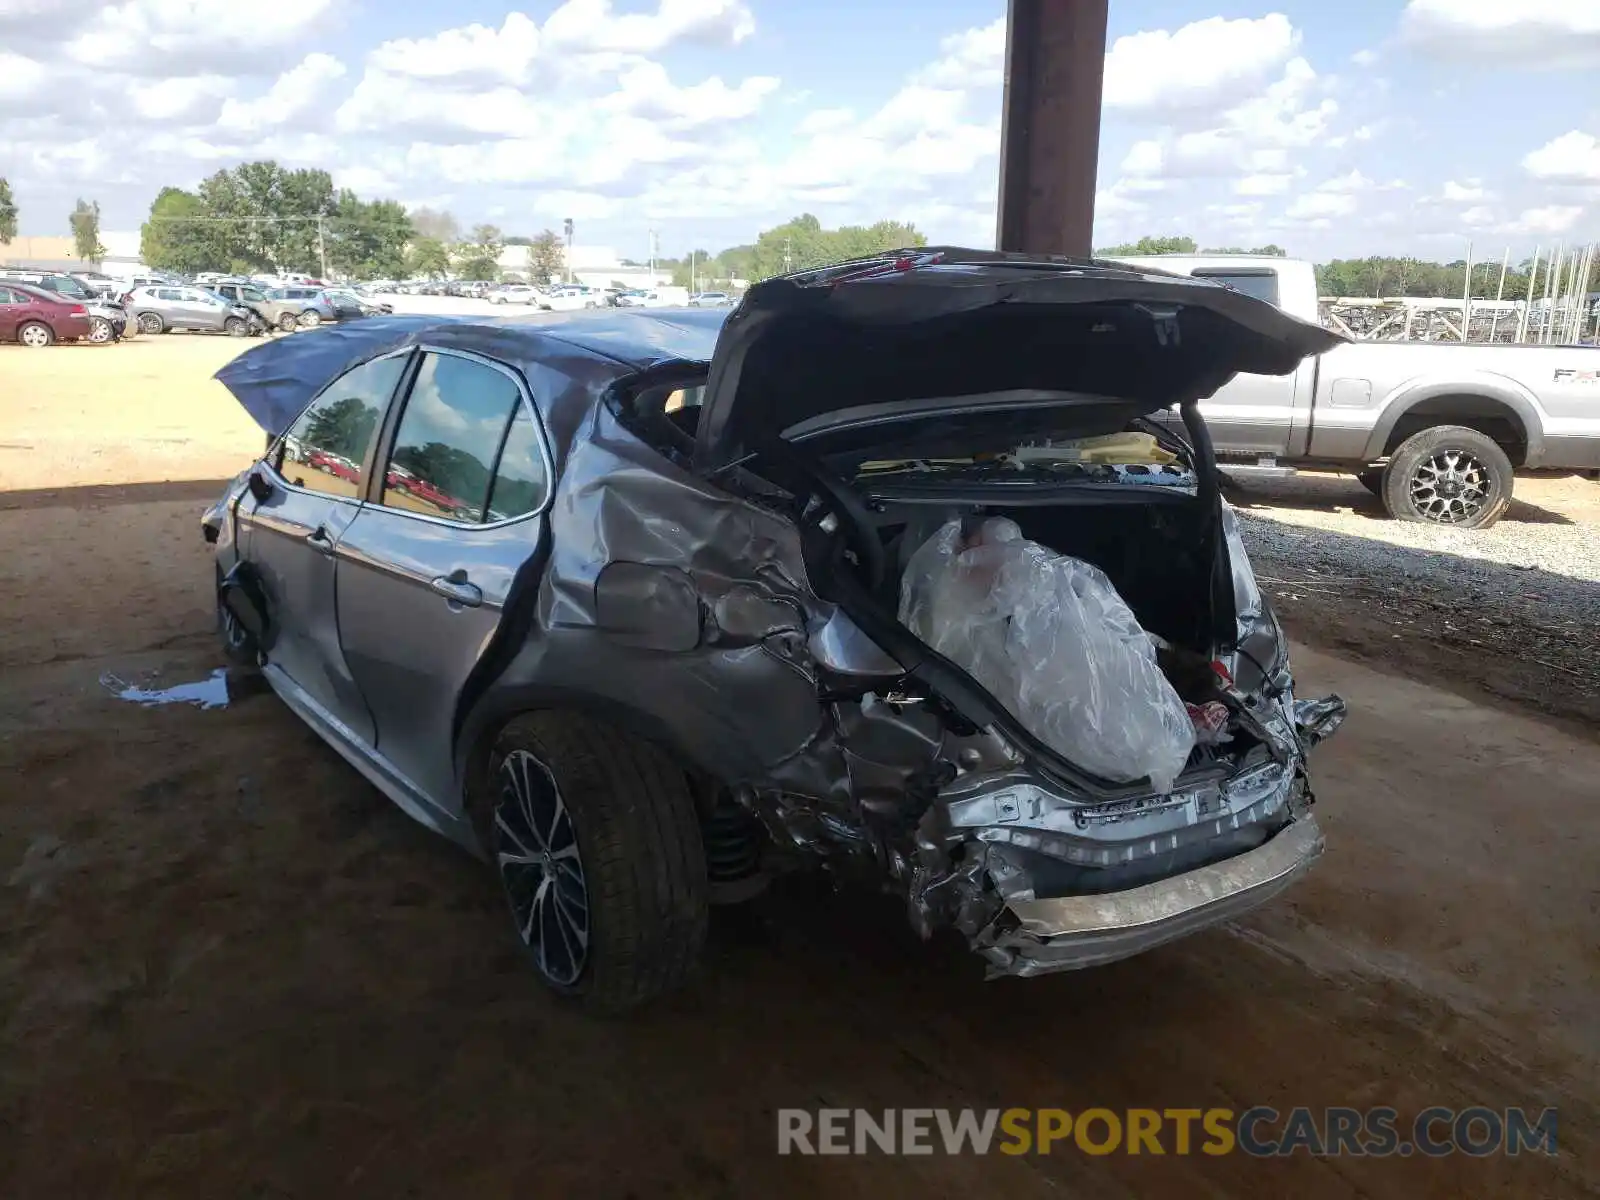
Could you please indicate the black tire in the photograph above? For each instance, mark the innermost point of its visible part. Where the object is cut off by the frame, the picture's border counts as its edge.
(238, 646)
(36, 334)
(288, 323)
(100, 331)
(236, 327)
(1448, 475)
(1372, 481)
(635, 836)
(310, 319)
(152, 323)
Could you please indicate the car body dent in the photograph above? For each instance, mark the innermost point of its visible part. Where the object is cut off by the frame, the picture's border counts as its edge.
(744, 685)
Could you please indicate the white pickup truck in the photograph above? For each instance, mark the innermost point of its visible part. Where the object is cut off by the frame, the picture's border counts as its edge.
(1434, 429)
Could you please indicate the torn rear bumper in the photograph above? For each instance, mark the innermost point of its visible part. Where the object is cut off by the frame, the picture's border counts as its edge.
(1037, 937)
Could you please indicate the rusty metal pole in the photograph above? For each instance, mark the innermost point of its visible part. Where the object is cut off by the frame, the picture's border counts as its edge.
(1050, 125)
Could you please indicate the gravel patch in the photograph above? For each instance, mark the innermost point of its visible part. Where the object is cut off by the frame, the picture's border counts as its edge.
(1513, 610)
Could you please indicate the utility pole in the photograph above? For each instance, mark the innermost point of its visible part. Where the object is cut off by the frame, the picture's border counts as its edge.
(567, 224)
(691, 272)
(788, 255)
(322, 249)
(654, 249)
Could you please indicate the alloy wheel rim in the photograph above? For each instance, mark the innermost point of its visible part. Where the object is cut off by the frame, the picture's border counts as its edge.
(150, 324)
(536, 851)
(33, 335)
(1450, 487)
(233, 632)
(100, 330)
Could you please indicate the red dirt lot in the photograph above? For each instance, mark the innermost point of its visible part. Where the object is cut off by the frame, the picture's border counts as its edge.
(230, 968)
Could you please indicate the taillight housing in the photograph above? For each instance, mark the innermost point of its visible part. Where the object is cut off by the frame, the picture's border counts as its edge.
(77, 310)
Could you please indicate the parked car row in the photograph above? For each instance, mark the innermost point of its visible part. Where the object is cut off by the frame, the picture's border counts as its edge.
(40, 310)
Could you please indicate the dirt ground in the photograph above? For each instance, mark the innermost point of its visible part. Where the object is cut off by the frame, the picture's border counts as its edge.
(229, 967)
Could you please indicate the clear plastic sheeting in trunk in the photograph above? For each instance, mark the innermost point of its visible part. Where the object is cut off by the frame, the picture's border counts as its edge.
(1052, 640)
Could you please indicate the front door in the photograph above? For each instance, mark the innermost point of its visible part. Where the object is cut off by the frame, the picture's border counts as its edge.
(425, 571)
(295, 533)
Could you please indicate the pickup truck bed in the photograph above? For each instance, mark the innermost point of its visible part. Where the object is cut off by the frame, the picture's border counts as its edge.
(1436, 429)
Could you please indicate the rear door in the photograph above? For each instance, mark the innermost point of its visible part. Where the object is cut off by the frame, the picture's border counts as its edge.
(425, 569)
(293, 536)
(11, 304)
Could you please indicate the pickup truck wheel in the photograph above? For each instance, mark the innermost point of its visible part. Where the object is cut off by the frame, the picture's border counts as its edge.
(1448, 475)
(597, 844)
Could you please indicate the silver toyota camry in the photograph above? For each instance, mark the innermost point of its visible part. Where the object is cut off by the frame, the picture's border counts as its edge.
(611, 598)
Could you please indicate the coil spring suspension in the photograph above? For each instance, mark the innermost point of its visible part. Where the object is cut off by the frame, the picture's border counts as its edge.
(733, 841)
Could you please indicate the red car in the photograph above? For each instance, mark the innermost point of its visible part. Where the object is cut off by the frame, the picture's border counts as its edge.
(36, 317)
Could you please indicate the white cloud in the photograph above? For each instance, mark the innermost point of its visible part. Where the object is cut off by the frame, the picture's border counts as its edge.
(1477, 217)
(589, 26)
(1204, 66)
(298, 92)
(181, 100)
(1545, 33)
(1364, 58)
(1144, 158)
(471, 51)
(646, 91)
(1554, 218)
(1263, 185)
(1571, 158)
(21, 79)
(148, 37)
(1320, 205)
(1349, 184)
(971, 58)
(1470, 192)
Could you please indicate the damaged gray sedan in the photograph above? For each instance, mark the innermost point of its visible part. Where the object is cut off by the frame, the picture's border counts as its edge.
(615, 599)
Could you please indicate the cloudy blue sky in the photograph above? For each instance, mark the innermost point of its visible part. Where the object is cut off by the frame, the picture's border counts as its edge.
(1401, 126)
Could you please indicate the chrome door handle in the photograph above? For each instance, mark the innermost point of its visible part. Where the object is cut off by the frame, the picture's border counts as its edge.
(455, 588)
(320, 541)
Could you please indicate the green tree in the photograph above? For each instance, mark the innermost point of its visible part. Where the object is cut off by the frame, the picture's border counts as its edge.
(367, 239)
(479, 257)
(427, 258)
(85, 222)
(8, 212)
(437, 224)
(1267, 251)
(343, 427)
(1154, 245)
(545, 257)
(802, 243)
(172, 239)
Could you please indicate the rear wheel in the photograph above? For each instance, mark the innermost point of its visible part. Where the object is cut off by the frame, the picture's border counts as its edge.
(1449, 475)
(288, 322)
(238, 647)
(310, 319)
(150, 322)
(597, 845)
(36, 334)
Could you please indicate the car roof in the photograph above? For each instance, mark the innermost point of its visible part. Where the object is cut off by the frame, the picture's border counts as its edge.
(274, 381)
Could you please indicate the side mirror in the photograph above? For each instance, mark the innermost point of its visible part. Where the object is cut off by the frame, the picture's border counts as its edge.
(260, 486)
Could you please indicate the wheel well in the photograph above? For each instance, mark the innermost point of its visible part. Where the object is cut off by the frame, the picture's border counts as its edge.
(1492, 418)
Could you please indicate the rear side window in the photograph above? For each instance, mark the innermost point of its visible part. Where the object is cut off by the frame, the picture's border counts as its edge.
(169, 294)
(449, 439)
(1263, 285)
(521, 479)
(326, 447)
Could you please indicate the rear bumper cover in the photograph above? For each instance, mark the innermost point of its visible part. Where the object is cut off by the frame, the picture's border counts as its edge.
(1037, 937)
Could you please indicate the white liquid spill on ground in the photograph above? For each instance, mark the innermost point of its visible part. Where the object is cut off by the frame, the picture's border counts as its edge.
(211, 692)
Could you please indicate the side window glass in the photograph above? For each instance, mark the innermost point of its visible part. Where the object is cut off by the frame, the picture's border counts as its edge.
(8, 297)
(325, 448)
(166, 293)
(520, 480)
(448, 439)
(1263, 285)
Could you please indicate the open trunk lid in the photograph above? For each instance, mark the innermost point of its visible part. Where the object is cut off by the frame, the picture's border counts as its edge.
(966, 334)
